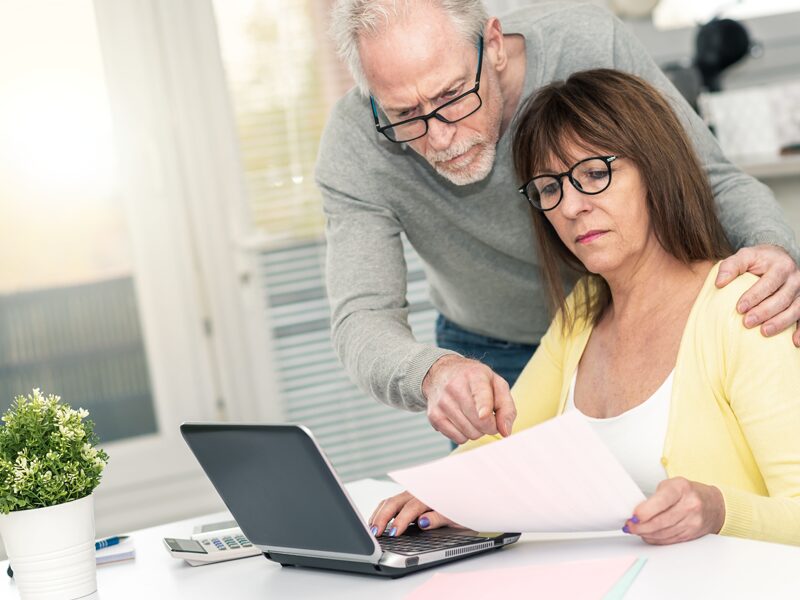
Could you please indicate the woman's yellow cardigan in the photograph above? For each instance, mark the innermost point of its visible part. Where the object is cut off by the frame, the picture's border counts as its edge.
(734, 417)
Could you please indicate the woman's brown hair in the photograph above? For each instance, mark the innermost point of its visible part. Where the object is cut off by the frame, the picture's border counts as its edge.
(611, 112)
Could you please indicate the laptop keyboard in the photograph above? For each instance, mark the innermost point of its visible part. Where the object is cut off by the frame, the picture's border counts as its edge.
(417, 542)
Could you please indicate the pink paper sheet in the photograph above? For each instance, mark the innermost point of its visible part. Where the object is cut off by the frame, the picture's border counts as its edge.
(578, 580)
(558, 476)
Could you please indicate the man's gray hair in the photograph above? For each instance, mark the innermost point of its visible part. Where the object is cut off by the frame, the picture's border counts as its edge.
(352, 18)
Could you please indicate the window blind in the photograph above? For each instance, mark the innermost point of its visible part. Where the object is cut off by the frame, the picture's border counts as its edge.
(361, 437)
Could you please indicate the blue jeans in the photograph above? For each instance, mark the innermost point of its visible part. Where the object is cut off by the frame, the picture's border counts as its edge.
(507, 359)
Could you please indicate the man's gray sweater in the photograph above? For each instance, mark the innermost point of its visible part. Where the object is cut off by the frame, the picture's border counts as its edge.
(476, 241)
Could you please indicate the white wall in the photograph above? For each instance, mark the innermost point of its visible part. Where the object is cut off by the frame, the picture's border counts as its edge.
(787, 191)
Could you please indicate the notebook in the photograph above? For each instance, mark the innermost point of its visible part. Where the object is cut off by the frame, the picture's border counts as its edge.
(289, 501)
(125, 550)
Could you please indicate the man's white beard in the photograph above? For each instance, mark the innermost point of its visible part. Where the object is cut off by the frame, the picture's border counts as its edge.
(478, 168)
(481, 165)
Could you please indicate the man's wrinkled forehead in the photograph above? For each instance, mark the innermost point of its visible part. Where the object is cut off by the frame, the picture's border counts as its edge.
(405, 93)
(415, 56)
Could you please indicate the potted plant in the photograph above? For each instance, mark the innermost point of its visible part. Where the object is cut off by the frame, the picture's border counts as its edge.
(49, 467)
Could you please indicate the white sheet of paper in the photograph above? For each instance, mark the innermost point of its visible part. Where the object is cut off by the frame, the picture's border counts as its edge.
(557, 476)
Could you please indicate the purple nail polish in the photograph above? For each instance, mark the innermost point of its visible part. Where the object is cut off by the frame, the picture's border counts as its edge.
(374, 530)
(625, 529)
(635, 520)
(424, 522)
(393, 532)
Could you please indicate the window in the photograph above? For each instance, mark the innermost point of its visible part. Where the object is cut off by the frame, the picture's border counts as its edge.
(283, 79)
(69, 316)
(671, 14)
(101, 297)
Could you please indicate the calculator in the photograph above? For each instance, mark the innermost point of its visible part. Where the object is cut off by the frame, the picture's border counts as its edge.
(207, 547)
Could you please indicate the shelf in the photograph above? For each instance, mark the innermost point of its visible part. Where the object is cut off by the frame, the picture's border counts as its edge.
(770, 167)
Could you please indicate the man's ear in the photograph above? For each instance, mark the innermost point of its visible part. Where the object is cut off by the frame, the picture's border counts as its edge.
(494, 44)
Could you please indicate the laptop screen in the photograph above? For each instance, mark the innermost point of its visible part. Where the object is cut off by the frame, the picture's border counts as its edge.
(278, 487)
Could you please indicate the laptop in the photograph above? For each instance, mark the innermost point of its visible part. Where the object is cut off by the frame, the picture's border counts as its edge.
(289, 502)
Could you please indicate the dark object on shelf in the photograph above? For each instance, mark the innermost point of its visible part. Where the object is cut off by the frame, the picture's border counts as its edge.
(720, 43)
(790, 149)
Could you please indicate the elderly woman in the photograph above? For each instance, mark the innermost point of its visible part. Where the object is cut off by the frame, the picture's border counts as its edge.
(702, 412)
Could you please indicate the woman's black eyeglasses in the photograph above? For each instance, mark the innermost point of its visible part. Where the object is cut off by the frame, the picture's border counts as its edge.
(451, 111)
(589, 176)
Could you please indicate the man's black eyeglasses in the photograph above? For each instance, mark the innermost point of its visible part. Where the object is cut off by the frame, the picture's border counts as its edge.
(589, 176)
(451, 111)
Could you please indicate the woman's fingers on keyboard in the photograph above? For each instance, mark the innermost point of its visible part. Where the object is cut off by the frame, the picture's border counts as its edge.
(407, 515)
(433, 520)
(376, 512)
(402, 504)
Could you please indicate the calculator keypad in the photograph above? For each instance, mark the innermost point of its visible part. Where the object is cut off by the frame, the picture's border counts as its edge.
(227, 542)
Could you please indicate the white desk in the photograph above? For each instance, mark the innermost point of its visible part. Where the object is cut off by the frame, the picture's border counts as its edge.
(712, 567)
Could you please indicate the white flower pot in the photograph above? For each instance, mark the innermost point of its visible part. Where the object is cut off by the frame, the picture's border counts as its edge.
(52, 550)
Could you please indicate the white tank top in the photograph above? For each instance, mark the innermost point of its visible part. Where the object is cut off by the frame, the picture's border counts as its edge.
(636, 437)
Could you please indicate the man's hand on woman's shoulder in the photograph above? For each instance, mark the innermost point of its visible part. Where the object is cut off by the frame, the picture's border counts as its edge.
(774, 301)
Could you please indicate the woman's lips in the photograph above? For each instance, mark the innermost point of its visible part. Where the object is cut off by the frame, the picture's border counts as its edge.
(589, 236)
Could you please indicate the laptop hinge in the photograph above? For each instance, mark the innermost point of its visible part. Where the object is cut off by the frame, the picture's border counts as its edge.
(372, 558)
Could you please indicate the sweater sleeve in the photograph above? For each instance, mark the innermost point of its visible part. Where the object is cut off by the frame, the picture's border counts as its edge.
(762, 379)
(366, 278)
(747, 208)
(366, 272)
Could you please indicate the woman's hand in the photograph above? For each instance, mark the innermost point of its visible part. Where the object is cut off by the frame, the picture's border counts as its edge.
(679, 511)
(405, 509)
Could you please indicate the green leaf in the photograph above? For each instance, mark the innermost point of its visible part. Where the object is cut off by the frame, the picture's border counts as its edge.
(48, 453)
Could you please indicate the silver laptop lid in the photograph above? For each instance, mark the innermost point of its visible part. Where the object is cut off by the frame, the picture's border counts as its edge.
(281, 489)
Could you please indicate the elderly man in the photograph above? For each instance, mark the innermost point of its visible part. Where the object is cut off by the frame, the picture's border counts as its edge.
(421, 147)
